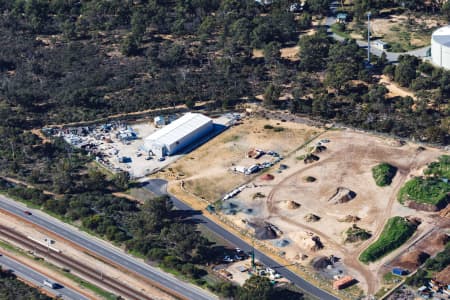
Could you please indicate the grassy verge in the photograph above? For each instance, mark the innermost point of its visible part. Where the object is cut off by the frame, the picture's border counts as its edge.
(87, 285)
(396, 231)
(383, 174)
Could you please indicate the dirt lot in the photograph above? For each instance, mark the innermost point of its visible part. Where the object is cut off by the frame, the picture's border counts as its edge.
(28, 230)
(395, 30)
(211, 163)
(394, 89)
(345, 164)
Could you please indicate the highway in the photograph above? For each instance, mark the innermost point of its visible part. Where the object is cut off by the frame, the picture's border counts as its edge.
(159, 187)
(106, 250)
(37, 279)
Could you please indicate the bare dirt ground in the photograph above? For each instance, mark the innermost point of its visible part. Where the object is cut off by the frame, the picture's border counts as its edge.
(394, 89)
(389, 28)
(210, 164)
(29, 230)
(346, 163)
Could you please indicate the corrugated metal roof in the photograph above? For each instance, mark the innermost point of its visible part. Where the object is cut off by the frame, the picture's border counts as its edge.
(442, 36)
(179, 128)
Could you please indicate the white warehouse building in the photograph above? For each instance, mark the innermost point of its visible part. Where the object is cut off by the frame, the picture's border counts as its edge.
(440, 47)
(179, 134)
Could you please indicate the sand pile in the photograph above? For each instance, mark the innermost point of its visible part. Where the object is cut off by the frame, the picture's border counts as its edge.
(350, 219)
(412, 260)
(342, 195)
(307, 240)
(312, 218)
(293, 205)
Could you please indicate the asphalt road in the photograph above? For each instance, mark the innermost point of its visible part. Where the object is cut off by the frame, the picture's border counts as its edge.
(106, 250)
(158, 187)
(36, 278)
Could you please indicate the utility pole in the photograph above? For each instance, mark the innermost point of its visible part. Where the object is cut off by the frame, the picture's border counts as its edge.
(368, 38)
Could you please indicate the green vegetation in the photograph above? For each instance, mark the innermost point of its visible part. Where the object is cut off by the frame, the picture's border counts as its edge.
(432, 189)
(441, 168)
(425, 190)
(356, 234)
(383, 174)
(396, 231)
(11, 288)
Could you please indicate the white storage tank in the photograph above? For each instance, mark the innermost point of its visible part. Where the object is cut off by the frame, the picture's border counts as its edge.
(440, 47)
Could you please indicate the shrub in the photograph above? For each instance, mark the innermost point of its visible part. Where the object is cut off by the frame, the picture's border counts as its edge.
(383, 174)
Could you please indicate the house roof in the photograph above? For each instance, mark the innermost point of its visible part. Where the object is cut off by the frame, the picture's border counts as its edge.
(178, 129)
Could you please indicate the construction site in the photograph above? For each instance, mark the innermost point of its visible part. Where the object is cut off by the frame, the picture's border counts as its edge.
(313, 203)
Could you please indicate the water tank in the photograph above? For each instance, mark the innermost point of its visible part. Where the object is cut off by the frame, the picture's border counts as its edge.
(440, 47)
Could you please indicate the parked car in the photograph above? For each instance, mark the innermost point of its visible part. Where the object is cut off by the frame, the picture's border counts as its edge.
(27, 212)
(162, 159)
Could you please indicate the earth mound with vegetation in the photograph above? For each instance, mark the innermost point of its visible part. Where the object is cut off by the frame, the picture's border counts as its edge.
(383, 174)
(396, 232)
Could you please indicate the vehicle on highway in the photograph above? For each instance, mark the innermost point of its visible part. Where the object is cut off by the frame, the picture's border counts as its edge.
(27, 212)
(50, 284)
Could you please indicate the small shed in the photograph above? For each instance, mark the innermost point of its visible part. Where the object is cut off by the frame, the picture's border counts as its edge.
(341, 17)
(344, 282)
(382, 45)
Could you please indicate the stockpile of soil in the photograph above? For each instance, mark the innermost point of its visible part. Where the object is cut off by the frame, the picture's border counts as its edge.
(445, 213)
(440, 240)
(412, 260)
(320, 262)
(350, 219)
(312, 218)
(267, 177)
(293, 205)
(342, 195)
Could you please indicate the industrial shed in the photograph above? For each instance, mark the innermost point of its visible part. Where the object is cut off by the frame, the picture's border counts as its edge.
(440, 47)
(178, 135)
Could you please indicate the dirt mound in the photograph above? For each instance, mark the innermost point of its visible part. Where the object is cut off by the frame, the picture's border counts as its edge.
(320, 262)
(267, 177)
(264, 231)
(342, 195)
(440, 240)
(310, 158)
(412, 260)
(445, 213)
(319, 148)
(421, 206)
(312, 218)
(293, 205)
(350, 219)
